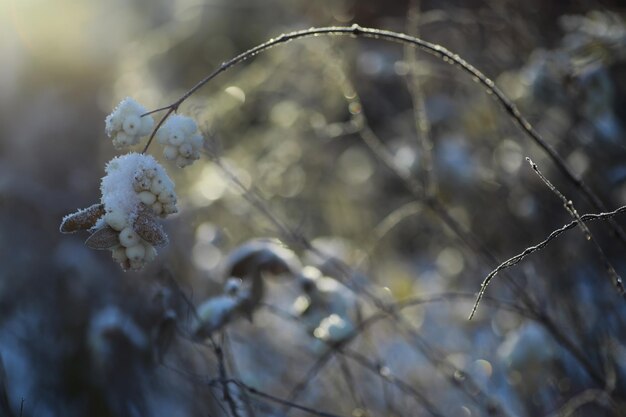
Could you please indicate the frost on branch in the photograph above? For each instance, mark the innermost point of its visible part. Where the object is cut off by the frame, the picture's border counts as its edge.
(125, 124)
(135, 191)
(181, 140)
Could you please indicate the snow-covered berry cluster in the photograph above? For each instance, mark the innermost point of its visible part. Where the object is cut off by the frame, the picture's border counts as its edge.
(135, 190)
(181, 140)
(126, 126)
(155, 190)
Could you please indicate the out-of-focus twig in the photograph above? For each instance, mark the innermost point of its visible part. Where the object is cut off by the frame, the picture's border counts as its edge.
(422, 124)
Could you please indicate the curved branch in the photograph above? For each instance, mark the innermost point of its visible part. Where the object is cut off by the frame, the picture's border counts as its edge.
(531, 249)
(431, 48)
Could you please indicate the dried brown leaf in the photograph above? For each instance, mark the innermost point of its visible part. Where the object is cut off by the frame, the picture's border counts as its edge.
(101, 239)
(83, 219)
(149, 229)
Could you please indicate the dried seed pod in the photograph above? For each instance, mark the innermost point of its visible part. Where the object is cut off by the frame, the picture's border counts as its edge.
(149, 229)
(83, 219)
(105, 238)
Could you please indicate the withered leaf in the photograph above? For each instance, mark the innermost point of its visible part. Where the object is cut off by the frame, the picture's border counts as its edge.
(149, 229)
(105, 238)
(83, 219)
(260, 255)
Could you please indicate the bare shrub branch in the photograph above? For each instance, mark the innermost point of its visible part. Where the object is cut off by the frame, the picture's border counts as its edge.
(532, 249)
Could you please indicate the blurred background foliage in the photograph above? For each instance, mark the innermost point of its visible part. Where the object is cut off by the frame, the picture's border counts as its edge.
(290, 125)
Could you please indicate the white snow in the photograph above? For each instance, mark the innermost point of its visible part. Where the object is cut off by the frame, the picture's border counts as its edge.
(117, 185)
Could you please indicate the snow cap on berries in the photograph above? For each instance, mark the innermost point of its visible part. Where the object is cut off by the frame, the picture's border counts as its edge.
(132, 179)
(125, 124)
(181, 140)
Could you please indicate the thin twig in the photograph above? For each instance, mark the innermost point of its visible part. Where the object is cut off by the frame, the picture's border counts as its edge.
(422, 124)
(170, 109)
(368, 322)
(469, 387)
(569, 206)
(350, 382)
(275, 399)
(230, 361)
(589, 396)
(384, 373)
(531, 249)
(255, 201)
(223, 375)
(308, 377)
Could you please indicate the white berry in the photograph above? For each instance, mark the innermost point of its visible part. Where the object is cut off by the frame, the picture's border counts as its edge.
(157, 186)
(157, 208)
(151, 252)
(185, 150)
(116, 219)
(170, 152)
(167, 197)
(136, 253)
(170, 208)
(119, 254)
(147, 197)
(176, 137)
(129, 238)
(132, 124)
